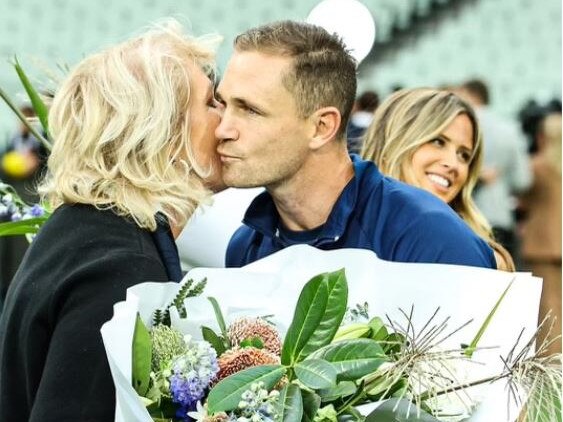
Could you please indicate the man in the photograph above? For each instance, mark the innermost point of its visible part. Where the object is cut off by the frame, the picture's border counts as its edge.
(287, 94)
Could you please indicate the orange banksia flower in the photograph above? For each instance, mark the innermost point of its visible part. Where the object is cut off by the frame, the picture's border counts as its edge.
(245, 328)
(235, 360)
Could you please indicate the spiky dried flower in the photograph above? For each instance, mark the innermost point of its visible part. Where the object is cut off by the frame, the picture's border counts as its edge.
(237, 359)
(244, 328)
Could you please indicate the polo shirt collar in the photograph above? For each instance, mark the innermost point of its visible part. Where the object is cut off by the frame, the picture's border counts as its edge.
(263, 216)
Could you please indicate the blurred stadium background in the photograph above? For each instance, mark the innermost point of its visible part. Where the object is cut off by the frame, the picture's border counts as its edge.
(514, 45)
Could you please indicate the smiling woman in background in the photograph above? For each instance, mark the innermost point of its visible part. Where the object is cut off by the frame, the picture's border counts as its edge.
(430, 139)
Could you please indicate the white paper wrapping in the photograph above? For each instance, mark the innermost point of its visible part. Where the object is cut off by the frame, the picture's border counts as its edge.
(272, 286)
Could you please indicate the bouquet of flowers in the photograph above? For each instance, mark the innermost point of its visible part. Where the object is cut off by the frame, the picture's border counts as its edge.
(176, 355)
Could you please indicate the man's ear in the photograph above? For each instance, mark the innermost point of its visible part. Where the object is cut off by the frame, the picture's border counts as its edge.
(327, 122)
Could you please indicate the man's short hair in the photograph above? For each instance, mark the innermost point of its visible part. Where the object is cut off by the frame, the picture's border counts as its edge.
(323, 72)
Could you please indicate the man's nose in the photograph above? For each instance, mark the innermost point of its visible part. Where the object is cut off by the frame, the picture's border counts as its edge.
(226, 130)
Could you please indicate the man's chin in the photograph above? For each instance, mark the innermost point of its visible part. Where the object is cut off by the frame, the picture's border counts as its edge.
(216, 186)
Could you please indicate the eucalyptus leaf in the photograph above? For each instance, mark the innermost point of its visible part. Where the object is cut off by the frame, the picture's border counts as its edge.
(141, 357)
(226, 395)
(311, 403)
(291, 404)
(318, 314)
(316, 373)
(405, 411)
(352, 359)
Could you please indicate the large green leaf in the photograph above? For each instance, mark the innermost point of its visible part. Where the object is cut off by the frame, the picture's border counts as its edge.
(343, 389)
(141, 355)
(13, 228)
(316, 373)
(318, 314)
(291, 404)
(405, 412)
(38, 105)
(352, 359)
(226, 395)
(311, 403)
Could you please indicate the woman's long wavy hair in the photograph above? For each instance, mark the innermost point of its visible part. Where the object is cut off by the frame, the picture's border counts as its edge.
(408, 119)
(120, 123)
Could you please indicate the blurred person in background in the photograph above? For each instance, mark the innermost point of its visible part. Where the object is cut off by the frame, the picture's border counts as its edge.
(431, 139)
(541, 229)
(506, 167)
(134, 154)
(360, 119)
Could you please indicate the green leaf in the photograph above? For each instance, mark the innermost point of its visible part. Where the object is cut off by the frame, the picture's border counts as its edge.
(10, 103)
(38, 105)
(316, 373)
(386, 387)
(378, 330)
(255, 342)
(342, 389)
(219, 317)
(142, 355)
(351, 415)
(318, 314)
(291, 404)
(311, 403)
(226, 395)
(394, 343)
(385, 413)
(473, 345)
(352, 359)
(31, 225)
(212, 338)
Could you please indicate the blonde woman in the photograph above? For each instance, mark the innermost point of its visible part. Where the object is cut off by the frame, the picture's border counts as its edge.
(431, 139)
(133, 156)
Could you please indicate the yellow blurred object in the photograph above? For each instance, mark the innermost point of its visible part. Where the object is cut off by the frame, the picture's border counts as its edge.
(15, 164)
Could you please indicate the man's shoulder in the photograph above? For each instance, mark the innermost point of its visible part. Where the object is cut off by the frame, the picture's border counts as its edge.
(239, 245)
(394, 197)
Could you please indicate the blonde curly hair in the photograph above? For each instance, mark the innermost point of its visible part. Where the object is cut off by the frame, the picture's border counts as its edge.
(120, 123)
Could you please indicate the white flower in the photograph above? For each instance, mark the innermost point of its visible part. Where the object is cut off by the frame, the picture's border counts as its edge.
(200, 413)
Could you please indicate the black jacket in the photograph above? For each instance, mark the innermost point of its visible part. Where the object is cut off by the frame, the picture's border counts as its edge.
(53, 366)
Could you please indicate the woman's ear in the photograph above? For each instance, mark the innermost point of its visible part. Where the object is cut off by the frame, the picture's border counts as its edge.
(327, 121)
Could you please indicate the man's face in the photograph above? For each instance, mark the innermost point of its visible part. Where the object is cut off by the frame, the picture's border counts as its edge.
(264, 141)
(204, 117)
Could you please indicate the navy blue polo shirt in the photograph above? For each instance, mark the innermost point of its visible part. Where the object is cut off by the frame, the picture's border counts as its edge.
(396, 221)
